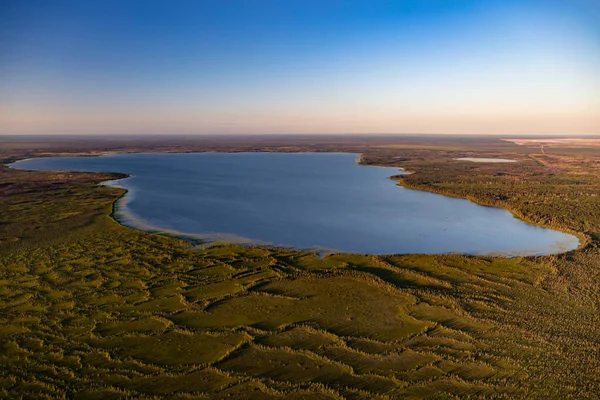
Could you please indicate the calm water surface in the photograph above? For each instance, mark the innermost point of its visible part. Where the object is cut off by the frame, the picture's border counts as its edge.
(486, 160)
(307, 201)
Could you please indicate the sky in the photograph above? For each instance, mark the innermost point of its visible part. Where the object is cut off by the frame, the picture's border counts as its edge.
(299, 66)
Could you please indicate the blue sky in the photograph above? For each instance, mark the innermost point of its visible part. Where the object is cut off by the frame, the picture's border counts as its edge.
(413, 66)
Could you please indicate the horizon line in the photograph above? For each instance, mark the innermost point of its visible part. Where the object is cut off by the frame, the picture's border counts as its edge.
(301, 134)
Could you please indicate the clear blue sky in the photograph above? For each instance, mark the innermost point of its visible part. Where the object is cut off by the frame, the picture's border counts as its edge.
(289, 66)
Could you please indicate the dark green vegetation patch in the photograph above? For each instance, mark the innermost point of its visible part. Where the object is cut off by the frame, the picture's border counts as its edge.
(93, 310)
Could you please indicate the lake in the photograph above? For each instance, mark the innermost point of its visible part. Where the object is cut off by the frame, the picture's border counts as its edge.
(486, 160)
(317, 201)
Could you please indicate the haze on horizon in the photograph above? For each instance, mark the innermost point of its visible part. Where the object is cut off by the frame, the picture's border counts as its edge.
(413, 66)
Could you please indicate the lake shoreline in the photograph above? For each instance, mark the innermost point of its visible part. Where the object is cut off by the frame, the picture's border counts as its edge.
(196, 238)
(584, 240)
(199, 240)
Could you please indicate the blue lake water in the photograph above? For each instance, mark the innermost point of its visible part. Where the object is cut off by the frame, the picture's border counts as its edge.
(323, 201)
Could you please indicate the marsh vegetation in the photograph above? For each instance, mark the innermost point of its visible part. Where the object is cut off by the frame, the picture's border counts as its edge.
(94, 310)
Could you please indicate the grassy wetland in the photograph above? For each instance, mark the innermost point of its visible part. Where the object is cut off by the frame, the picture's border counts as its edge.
(94, 310)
